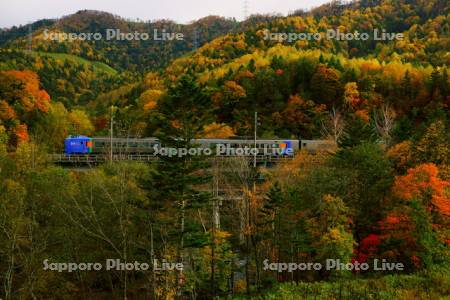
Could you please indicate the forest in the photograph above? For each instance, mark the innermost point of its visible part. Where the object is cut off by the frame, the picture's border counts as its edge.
(381, 195)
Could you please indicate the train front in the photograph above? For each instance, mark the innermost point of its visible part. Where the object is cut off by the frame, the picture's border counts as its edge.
(78, 145)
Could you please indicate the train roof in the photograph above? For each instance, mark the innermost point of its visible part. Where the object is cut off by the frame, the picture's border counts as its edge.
(200, 139)
(245, 140)
(78, 137)
(128, 139)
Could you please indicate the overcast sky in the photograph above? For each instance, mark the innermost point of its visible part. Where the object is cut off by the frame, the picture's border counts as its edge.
(20, 12)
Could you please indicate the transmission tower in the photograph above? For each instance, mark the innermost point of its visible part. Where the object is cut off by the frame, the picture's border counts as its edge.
(30, 37)
(245, 9)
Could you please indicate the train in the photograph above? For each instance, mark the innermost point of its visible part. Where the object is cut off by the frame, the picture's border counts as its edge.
(227, 147)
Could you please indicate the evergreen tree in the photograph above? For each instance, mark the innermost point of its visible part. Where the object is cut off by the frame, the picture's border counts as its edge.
(434, 145)
(182, 115)
(357, 132)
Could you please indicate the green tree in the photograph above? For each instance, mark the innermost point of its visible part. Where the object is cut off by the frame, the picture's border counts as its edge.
(335, 240)
(370, 177)
(183, 113)
(434, 145)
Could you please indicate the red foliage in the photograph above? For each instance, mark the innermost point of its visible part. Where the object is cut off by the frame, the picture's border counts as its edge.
(394, 221)
(100, 123)
(368, 247)
(416, 260)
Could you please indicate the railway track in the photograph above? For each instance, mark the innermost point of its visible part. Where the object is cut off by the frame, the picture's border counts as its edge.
(102, 158)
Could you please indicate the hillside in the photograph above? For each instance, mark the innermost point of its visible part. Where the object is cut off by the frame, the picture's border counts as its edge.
(135, 56)
(98, 67)
(292, 83)
(68, 78)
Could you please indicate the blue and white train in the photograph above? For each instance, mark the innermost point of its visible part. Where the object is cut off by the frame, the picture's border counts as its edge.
(98, 145)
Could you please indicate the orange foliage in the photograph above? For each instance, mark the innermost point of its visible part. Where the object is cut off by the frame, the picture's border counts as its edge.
(236, 90)
(34, 98)
(176, 124)
(149, 99)
(394, 221)
(244, 74)
(297, 108)
(6, 111)
(363, 114)
(424, 180)
(22, 133)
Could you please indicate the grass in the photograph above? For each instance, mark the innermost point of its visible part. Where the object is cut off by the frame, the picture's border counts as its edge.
(431, 284)
(98, 67)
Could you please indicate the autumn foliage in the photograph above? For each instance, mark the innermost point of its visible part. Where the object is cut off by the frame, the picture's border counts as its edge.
(423, 182)
(219, 131)
(21, 98)
(33, 97)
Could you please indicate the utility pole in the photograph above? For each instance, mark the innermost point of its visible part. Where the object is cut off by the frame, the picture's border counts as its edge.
(111, 134)
(245, 9)
(256, 128)
(195, 42)
(30, 37)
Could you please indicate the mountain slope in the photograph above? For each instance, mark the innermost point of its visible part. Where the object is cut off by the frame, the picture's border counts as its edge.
(136, 55)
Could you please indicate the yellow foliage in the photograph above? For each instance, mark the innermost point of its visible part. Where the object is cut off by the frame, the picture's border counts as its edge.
(351, 95)
(152, 81)
(28, 156)
(295, 170)
(220, 131)
(335, 234)
(149, 99)
(401, 154)
(80, 122)
(3, 140)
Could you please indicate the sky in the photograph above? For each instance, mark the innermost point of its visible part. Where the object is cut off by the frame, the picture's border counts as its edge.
(21, 12)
